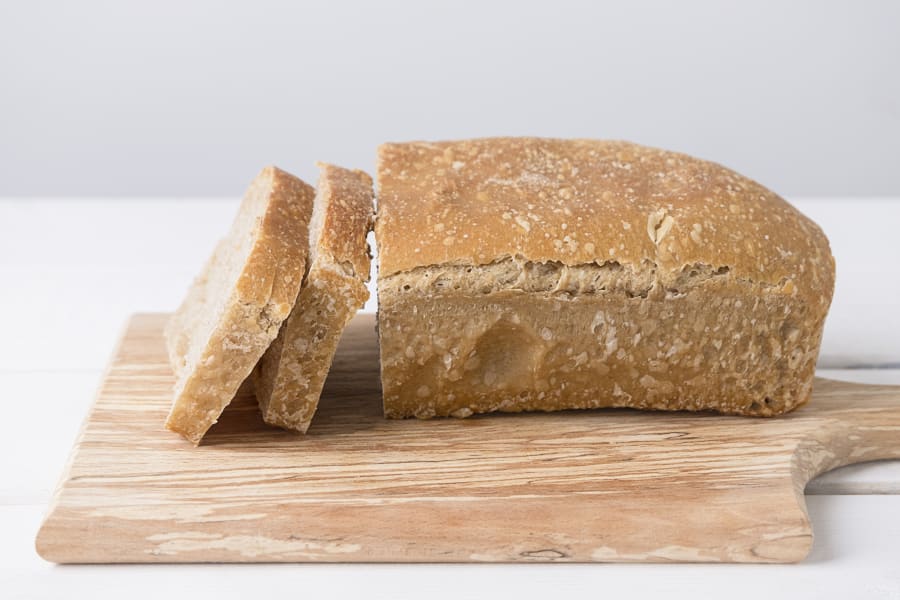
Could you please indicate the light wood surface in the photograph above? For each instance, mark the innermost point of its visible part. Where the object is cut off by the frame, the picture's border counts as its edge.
(607, 485)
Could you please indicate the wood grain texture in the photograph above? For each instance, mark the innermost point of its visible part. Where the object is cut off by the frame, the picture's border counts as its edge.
(605, 485)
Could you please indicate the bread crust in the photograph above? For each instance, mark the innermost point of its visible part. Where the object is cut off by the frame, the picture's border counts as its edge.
(350, 199)
(475, 202)
(545, 243)
(236, 306)
(292, 372)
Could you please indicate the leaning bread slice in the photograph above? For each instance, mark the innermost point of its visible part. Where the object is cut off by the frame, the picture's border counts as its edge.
(293, 370)
(236, 306)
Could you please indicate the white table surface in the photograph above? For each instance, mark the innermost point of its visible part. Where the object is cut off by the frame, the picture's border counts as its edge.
(74, 269)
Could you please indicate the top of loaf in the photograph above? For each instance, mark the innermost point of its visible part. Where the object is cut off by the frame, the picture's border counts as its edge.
(580, 202)
(342, 218)
(259, 264)
(277, 207)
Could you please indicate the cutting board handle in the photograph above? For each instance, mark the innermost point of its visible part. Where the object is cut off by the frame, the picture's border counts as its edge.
(863, 424)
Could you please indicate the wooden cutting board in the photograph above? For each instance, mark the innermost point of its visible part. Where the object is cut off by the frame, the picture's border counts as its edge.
(603, 485)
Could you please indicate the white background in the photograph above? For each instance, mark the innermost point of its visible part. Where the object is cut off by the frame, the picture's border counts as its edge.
(105, 102)
(173, 97)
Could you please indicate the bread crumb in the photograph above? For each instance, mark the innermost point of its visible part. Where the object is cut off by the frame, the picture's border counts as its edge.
(523, 223)
(647, 381)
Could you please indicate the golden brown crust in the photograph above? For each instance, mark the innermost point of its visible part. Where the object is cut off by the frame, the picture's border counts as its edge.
(292, 372)
(349, 217)
(537, 274)
(281, 249)
(587, 201)
(236, 306)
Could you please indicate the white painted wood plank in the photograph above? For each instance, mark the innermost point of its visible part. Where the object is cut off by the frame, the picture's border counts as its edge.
(863, 327)
(855, 555)
(83, 265)
(44, 411)
(874, 376)
(79, 268)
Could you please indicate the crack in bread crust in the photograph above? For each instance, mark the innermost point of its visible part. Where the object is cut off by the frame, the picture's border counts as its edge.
(517, 273)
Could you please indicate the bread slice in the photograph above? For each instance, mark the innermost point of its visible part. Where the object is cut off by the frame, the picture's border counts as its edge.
(292, 372)
(236, 306)
(539, 274)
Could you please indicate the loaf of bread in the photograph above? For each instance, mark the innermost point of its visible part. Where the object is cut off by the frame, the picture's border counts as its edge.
(236, 306)
(540, 274)
(292, 372)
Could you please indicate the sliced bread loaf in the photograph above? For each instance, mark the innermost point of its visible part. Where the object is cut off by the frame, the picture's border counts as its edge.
(538, 274)
(292, 372)
(236, 306)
